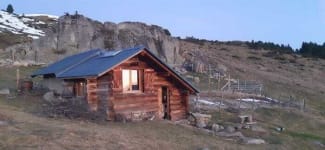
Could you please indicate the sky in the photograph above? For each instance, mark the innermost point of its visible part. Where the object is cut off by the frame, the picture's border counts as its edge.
(279, 21)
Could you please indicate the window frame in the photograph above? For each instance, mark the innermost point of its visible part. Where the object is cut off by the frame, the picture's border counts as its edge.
(139, 81)
(80, 89)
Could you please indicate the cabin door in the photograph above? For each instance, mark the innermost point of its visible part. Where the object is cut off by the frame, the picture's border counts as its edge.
(165, 102)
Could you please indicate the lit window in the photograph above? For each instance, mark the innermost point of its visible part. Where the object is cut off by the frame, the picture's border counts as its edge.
(80, 88)
(130, 80)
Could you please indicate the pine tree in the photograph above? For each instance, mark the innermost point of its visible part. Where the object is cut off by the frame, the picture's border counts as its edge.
(10, 9)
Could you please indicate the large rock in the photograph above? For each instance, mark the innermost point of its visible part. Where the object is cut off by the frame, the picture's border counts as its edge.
(253, 141)
(257, 128)
(3, 123)
(76, 33)
(201, 120)
(49, 97)
(217, 127)
(230, 129)
(233, 135)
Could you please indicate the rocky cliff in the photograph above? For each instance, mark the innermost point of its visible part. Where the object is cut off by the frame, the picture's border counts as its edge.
(75, 33)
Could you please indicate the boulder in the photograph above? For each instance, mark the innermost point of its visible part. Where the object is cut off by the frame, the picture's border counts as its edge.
(230, 129)
(253, 141)
(4, 91)
(257, 128)
(234, 134)
(3, 123)
(196, 80)
(201, 120)
(49, 96)
(217, 127)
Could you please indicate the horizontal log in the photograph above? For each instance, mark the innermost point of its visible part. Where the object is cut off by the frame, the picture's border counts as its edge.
(91, 86)
(135, 101)
(175, 102)
(136, 105)
(117, 90)
(177, 111)
(177, 107)
(134, 95)
(136, 108)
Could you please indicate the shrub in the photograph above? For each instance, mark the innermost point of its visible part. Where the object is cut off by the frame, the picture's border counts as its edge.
(10, 9)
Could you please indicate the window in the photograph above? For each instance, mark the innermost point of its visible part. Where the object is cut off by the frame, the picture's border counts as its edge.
(131, 80)
(80, 88)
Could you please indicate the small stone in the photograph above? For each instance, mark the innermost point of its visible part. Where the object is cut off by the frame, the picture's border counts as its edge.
(230, 129)
(3, 123)
(253, 141)
(234, 134)
(4, 92)
(217, 127)
(257, 129)
(196, 79)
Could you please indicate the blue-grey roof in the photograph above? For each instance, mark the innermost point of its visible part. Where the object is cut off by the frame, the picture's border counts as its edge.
(95, 62)
(59, 66)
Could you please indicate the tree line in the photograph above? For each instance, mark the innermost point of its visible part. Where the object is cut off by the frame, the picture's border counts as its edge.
(270, 46)
(310, 49)
(307, 49)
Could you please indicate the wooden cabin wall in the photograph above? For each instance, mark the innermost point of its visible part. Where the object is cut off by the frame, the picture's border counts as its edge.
(104, 89)
(178, 99)
(92, 97)
(146, 103)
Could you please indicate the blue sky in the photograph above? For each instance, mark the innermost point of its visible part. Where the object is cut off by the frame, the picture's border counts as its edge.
(279, 21)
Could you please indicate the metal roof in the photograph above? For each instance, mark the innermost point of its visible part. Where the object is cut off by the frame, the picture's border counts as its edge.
(65, 63)
(95, 62)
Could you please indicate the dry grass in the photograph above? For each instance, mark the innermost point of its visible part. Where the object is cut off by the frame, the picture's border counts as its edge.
(298, 77)
(29, 131)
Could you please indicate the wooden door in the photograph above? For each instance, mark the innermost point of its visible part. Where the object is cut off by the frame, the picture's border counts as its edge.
(165, 102)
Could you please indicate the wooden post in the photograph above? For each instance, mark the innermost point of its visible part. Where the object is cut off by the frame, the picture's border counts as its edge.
(17, 78)
(209, 81)
(196, 102)
(13, 56)
(219, 78)
(229, 82)
(303, 104)
(237, 85)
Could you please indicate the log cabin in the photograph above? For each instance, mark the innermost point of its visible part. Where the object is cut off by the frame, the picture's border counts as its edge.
(133, 84)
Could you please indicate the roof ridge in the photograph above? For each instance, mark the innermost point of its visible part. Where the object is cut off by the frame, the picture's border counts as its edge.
(81, 61)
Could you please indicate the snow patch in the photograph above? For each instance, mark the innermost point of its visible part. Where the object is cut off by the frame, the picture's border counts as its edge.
(249, 100)
(16, 24)
(47, 15)
(27, 19)
(202, 101)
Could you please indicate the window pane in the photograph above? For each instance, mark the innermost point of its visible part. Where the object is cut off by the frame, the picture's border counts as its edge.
(126, 80)
(134, 80)
(134, 77)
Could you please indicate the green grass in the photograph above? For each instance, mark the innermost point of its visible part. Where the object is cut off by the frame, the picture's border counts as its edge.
(306, 136)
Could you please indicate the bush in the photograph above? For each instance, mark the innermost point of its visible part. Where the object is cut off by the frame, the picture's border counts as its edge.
(10, 9)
